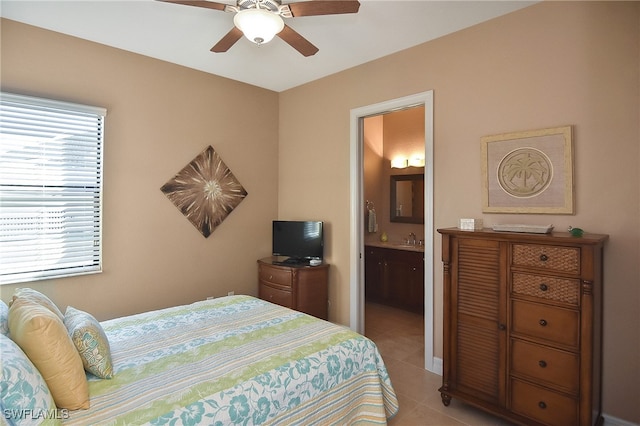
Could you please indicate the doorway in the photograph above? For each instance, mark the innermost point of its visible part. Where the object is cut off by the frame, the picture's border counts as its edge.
(357, 300)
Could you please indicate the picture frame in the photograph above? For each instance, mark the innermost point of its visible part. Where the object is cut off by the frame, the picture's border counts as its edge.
(528, 172)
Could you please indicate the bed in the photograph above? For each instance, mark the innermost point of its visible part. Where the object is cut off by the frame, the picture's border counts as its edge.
(236, 360)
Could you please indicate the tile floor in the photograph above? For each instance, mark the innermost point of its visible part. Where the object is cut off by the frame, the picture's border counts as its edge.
(399, 336)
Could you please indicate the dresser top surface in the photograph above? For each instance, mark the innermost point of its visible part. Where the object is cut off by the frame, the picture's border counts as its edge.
(550, 238)
(279, 261)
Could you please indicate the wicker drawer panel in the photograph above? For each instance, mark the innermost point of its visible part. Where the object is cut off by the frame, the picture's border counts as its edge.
(565, 259)
(543, 405)
(550, 288)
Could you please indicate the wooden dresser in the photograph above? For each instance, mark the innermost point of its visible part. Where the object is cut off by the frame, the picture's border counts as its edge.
(523, 324)
(303, 288)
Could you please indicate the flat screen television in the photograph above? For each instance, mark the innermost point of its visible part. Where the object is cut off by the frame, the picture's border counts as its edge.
(299, 241)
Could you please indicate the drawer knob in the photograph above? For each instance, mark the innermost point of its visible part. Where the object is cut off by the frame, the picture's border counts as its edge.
(502, 327)
(542, 363)
(542, 404)
(544, 257)
(270, 277)
(543, 322)
(544, 287)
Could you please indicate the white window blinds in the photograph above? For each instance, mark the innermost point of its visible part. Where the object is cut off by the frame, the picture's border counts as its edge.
(50, 188)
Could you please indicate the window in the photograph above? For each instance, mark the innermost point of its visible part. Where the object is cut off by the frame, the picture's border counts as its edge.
(50, 188)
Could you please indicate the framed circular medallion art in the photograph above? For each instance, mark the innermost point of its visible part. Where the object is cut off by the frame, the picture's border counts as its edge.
(528, 172)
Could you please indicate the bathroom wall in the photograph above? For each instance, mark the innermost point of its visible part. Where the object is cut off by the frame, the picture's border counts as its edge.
(388, 136)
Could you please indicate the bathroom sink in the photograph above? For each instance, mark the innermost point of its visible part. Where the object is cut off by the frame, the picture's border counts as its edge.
(398, 246)
(415, 247)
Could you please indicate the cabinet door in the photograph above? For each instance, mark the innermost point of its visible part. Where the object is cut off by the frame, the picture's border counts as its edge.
(312, 290)
(478, 339)
(374, 270)
(398, 276)
(415, 301)
(405, 273)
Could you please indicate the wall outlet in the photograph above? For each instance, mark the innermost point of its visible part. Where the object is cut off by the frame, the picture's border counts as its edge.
(210, 298)
(231, 293)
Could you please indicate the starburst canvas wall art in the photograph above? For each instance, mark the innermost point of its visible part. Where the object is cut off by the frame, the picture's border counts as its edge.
(528, 172)
(205, 191)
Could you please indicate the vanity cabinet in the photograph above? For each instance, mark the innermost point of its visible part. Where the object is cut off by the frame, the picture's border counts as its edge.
(395, 277)
(303, 288)
(523, 324)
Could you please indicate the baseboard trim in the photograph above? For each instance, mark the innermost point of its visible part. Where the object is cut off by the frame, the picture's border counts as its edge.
(614, 421)
(437, 366)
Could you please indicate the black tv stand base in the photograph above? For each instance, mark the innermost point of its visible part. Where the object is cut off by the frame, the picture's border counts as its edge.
(294, 261)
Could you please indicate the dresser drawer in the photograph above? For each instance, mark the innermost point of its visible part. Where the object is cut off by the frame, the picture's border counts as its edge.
(545, 322)
(563, 259)
(564, 290)
(540, 363)
(543, 404)
(275, 295)
(278, 276)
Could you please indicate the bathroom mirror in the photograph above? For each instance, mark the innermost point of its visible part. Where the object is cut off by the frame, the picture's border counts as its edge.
(407, 198)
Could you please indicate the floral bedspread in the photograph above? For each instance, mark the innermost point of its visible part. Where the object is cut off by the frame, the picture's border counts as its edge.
(237, 360)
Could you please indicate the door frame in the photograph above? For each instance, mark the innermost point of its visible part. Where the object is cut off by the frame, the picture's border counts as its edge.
(356, 291)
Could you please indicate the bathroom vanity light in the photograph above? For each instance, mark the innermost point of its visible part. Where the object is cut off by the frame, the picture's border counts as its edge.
(403, 163)
(399, 163)
(416, 161)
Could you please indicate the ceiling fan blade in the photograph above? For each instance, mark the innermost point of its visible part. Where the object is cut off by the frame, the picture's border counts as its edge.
(324, 7)
(227, 41)
(298, 42)
(198, 3)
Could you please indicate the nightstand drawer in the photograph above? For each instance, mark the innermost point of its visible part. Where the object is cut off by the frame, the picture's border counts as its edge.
(546, 322)
(560, 369)
(563, 259)
(274, 295)
(281, 277)
(564, 290)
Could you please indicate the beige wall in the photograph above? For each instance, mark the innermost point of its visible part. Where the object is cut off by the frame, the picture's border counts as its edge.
(552, 64)
(160, 116)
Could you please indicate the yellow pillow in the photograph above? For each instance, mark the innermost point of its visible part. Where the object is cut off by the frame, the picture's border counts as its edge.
(37, 297)
(44, 339)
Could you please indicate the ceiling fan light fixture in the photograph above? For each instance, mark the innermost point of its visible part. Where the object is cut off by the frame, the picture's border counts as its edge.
(258, 25)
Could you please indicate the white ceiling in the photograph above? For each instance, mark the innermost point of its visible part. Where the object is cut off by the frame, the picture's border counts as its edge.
(184, 34)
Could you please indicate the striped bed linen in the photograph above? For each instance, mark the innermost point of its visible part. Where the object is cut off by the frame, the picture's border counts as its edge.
(237, 360)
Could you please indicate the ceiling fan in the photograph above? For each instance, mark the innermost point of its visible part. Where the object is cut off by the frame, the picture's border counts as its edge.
(261, 20)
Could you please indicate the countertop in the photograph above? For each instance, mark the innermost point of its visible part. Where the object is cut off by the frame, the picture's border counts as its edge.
(395, 246)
